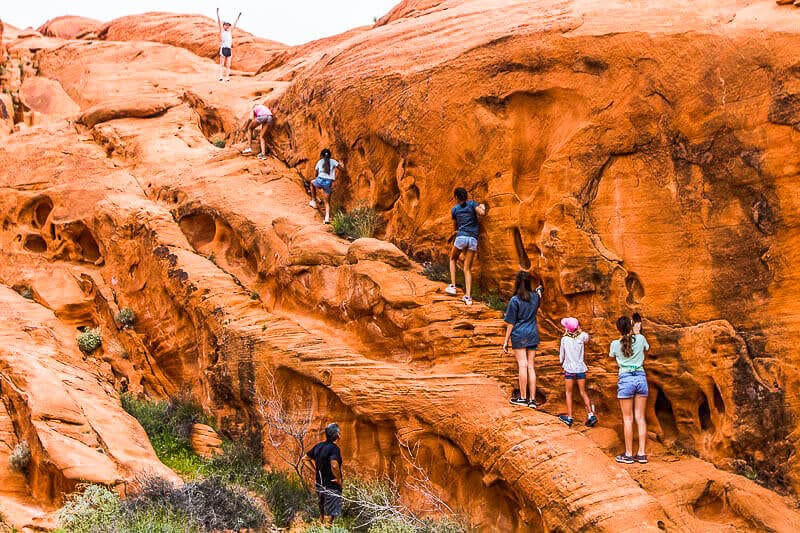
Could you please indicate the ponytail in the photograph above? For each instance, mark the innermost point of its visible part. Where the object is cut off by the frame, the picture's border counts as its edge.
(522, 286)
(326, 161)
(624, 326)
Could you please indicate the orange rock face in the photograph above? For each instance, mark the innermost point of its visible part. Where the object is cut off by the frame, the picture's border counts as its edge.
(652, 170)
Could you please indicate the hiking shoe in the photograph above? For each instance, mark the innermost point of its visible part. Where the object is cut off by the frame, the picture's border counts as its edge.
(518, 401)
(451, 290)
(641, 459)
(220, 79)
(591, 421)
(568, 420)
(261, 156)
(467, 300)
(327, 220)
(247, 151)
(312, 204)
(532, 404)
(625, 459)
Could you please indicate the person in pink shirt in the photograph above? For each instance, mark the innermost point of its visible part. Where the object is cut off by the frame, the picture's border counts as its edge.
(571, 357)
(262, 116)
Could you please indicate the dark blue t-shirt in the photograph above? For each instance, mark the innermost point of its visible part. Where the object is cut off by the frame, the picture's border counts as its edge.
(522, 315)
(322, 455)
(466, 219)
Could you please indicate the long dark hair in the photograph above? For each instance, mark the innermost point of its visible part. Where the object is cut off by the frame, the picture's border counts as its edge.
(522, 286)
(461, 195)
(326, 157)
(624, 326)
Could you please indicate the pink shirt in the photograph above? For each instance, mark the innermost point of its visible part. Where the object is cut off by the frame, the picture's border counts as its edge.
(261, 110)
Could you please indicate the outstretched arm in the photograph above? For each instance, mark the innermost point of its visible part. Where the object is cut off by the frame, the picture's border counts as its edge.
(219, 22)
(237, 20)
(481, 210)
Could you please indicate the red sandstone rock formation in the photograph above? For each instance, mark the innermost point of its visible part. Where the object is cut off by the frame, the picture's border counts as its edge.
(71, 27)
(630, 171)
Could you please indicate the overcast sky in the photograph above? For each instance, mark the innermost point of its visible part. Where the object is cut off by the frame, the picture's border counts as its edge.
(287, 21)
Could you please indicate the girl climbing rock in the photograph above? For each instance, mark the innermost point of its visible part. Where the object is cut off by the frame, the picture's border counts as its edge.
(465, 222)
(571, 357)
(632, 389)
(325, 176)
(226, 46)
(259, 116)
(523, 332)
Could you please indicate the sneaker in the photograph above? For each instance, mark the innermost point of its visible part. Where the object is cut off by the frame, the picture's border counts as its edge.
(591, 421)
(261, 156)
(220, 79)
(519, 401)
(641, 459)
(227, 79)
(327, 220)
(568, 420)
(312, 204)
(451, 290)
(467, 300)
(625, 459)
(247, 151)
(532, 404)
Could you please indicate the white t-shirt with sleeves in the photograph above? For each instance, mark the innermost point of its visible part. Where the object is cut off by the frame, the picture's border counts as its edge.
(571, 353)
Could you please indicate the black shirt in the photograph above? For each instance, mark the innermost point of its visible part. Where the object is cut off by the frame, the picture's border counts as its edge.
(322, 454)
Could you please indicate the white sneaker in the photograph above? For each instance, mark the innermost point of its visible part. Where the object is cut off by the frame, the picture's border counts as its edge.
(247, 151)
(327, 220)
(261, 156)
(312, 204)
(451, 290)
(467, 300)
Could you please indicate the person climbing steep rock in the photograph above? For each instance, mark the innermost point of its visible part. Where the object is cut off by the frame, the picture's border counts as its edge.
(261, 116)
(226, 46)
(571, 356)
(632, 390)
(325, 176)
(327, 464)
(465, 221)
(523, 332)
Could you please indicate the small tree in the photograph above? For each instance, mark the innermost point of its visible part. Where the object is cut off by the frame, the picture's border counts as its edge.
(20, 458)
(286, 429)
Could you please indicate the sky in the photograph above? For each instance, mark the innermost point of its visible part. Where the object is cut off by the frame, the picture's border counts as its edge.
(286, 21)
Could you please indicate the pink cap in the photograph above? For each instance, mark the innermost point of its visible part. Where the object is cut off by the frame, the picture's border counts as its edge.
(571, 324)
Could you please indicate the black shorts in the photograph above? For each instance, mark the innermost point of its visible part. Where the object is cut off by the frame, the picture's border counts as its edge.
(330, 501)
(225, 51)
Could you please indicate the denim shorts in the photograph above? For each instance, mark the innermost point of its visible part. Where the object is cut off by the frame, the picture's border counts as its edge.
(323, 183)
(632, 384)
(464, 242)
(574, 375)
(265, 119)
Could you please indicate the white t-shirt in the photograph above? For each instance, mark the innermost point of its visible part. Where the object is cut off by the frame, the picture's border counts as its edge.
(571, 354)
(321, 169)
(226, 39)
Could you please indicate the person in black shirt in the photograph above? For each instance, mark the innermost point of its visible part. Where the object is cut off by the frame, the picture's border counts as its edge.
(327, 459)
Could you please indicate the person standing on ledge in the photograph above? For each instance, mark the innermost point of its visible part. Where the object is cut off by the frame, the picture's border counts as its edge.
(327, 463)
(523, 332)
(465, 222)
(632, 389)
(226, 46)
(323, 180)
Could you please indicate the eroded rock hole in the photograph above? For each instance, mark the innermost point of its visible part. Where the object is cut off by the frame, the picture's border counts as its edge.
(35, 244)
(719, 403)
(522, 255)
(41, 212)
(704, 414)
(665, 415)
(200, 229)
(635, 288)
(89, 247)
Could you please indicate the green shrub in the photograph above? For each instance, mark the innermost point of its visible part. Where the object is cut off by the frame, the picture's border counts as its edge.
(320, 528)
(20, 457)
(26, 293)
(126, 318)
(255, 296)
(90, 340)
(359, 223)
(95, 509)
(219, 143)
(492, 299)
(286, 498)
(436, 271)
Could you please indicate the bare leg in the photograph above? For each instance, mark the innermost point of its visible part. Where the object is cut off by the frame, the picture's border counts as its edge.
(626, 404)
(531, 374)
(568, 386)
(228, 66)
(641, 422)
(314, 192)
(522, 362)
(468, 257)
(454, 255)
(327, 206)
(221, 65)
(586, 401)
(262, 138)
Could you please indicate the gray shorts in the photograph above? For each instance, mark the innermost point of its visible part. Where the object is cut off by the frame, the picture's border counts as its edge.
(466, 243)
(265, 119)
(330, 501)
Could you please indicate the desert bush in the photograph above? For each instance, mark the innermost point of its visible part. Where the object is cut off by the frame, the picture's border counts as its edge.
(491, 299)
(20, 457)
(436, 271)
(94, 509)
(219, 143)
(255, 296)
(286, 498)
(90, 340)
(320, 528)
(126, 317)
(26, 293)
(359, 223)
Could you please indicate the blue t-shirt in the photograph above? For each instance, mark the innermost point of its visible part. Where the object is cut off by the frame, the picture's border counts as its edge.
(522, 315)
(466, 219)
